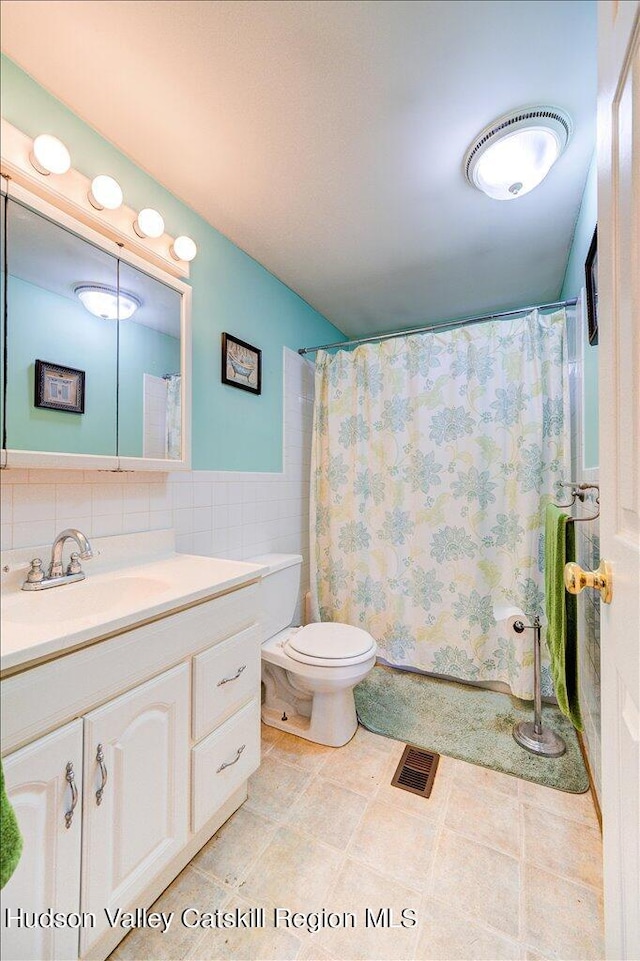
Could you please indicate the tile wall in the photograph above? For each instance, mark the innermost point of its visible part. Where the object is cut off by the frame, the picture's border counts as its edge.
(588, 552)
(588, 556)
(216, 513)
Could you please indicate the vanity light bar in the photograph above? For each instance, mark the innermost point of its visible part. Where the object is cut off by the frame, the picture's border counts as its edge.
(98, 203)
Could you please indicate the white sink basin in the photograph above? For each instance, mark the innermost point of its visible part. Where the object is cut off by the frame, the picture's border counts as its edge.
(83, 599)
(122, 588)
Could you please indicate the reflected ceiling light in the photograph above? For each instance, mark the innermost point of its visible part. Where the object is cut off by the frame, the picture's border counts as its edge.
(515, 153)
(149, 223)
(183, 248)
(106, 302)
(49, 155)
(105, 193)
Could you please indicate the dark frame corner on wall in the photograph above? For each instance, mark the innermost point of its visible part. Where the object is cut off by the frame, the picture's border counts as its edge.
(591, 283)
(59, 388)
(241, 364)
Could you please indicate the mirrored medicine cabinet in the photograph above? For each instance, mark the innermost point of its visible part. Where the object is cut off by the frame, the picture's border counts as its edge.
(96, 347)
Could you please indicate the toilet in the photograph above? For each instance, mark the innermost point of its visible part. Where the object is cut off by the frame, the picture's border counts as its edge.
(308, 672)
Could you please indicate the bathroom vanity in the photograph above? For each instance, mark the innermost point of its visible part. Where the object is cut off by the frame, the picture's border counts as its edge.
(130, 724)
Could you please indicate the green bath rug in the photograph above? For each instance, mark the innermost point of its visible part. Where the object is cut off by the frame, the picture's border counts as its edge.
(466, 722)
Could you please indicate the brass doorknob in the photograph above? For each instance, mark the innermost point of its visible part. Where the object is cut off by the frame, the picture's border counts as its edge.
(575, 580)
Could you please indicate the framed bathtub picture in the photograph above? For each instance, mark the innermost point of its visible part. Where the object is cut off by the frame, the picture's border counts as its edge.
(59, 388)
(241, 364)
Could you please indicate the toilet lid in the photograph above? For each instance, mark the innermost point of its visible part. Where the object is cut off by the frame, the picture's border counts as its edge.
(330, 641)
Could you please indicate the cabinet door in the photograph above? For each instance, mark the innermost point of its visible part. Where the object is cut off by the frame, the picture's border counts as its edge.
(42, 790)
(136, 793)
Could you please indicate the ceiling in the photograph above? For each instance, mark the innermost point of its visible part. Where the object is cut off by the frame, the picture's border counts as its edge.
(326, 138)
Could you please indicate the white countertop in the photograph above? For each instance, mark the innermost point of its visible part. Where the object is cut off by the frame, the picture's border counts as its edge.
(132, 578)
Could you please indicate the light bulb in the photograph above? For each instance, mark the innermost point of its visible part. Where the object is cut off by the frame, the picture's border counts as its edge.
(49, 155)
(149, 223)
(183, 248)
(105, 192)
(513, 166)
(107, 302)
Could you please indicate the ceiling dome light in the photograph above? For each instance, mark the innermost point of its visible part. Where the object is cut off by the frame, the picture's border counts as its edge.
(49, 155)
(515, 153)
(183, 248)
(105, 192)
(149, 223)
(106, 302)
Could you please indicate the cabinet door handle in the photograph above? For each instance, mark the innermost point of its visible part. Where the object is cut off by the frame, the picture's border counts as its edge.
(71, 781)
(234, 678)
(103, 772)
(235, 760)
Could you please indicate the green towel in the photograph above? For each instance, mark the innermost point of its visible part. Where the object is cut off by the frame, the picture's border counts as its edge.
(562, 634)
(10, 837)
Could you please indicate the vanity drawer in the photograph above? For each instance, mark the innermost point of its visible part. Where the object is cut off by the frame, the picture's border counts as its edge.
(224, 678)
(223, 761)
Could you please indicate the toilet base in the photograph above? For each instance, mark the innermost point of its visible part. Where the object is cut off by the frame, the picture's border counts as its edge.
(301, 726)
(325, 718)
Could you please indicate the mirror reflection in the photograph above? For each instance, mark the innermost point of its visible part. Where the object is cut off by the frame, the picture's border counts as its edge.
(149, 409)
(93, 347)
(46, 321)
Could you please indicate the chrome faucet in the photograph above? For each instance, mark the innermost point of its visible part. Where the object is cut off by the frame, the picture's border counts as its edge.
(37, 580)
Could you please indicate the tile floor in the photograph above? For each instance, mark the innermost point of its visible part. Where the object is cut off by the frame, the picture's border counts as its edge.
(492, 867)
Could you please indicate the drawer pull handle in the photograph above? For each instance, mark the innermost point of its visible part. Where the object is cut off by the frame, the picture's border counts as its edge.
(234, 678)
(235, 760)
(103, 772)
(71, 781)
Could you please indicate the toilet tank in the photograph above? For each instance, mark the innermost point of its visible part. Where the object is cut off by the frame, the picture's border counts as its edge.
(280, 588)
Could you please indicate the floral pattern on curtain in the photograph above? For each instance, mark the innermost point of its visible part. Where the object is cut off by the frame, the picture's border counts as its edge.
(433, 459)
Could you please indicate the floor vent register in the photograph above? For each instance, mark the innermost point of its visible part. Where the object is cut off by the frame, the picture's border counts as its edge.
(416, 771)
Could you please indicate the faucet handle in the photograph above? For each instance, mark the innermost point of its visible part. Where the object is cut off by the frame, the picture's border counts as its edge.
(74, 564)
(36, 574)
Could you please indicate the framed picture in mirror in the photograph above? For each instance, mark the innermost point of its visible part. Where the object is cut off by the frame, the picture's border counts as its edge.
(59, 388)
(591, 282)
(241, 364)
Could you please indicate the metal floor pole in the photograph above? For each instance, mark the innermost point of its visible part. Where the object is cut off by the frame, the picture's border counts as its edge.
(534, 736)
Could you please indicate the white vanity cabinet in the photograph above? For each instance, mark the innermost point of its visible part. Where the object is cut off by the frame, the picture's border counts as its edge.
(161, 724)
(43, 782)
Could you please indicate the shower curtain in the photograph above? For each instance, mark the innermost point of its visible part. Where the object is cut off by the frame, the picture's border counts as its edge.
(433, 458)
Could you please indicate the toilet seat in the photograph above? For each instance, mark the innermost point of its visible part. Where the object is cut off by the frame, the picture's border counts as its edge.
(330, 645)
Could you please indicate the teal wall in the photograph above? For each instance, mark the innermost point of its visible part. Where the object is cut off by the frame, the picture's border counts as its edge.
(573, 281)
(232, 429)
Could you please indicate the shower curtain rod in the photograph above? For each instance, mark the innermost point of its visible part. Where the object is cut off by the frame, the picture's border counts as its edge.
(438, 327)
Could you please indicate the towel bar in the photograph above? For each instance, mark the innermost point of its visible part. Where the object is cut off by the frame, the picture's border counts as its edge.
(579, 491)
